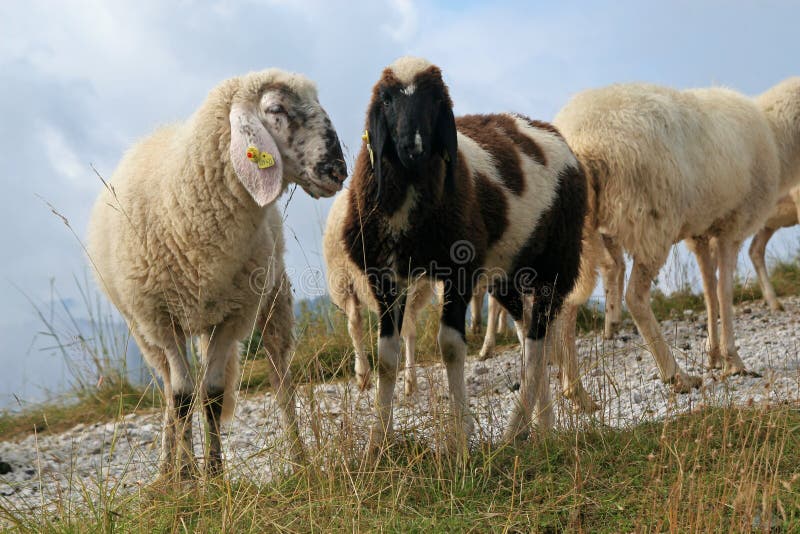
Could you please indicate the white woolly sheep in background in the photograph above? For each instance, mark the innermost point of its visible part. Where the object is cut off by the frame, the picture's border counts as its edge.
(496, 321)
(704, 165)
(784, 215)
(349, 289)
(187, 242)
(498, 195)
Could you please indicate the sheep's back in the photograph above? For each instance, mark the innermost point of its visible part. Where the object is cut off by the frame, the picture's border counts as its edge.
(515, 165)
(669, 164)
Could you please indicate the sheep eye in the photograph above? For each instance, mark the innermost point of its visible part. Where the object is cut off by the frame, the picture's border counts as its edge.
(387, 100)
(276, 108)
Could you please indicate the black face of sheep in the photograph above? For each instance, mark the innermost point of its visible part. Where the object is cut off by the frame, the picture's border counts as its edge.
(411, 120)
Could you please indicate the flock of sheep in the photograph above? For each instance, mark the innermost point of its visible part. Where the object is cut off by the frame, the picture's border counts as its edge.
(460, 205)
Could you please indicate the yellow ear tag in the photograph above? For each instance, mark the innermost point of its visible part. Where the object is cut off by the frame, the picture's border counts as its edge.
(252, 153)
(265, 160)
(365, 137)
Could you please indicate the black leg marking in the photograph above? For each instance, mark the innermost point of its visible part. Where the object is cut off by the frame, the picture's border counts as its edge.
(509, 297)
(213, 413)
(454, 309)
(183, 406)
(392, 307)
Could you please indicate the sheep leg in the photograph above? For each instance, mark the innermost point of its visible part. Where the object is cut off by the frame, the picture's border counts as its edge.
(356, 330)
(701, 248)
(757, 253)
(216, 349)
(392, 306)
(410, 375)
(183, 397)
(157, 358)
(453, 343)
(727, 252)
(502, 320)
(561, 343)
(638, 299)
(476, 310)
(534, 390)
(277, 323)
(489, 340)
(613, 271)
(415, 300)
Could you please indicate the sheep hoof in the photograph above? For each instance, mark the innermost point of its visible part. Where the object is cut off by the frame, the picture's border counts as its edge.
(582, 402)
(363, 381)
(735, 366)
(486, 354)
(610, 330)
(378, 443)
(516, 434)
(714, 359)
(740, 370)
(213, 468)
(684, 383)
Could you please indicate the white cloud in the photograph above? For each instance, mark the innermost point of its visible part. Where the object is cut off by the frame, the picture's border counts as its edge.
(403, 23)
(62, 157)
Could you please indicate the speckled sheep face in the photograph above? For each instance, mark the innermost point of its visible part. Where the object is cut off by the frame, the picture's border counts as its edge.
(307, 141)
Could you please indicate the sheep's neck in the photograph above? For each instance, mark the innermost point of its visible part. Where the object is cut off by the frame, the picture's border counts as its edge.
(403, 187)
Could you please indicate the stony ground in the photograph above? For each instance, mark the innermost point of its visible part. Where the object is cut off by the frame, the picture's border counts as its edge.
(97, 459)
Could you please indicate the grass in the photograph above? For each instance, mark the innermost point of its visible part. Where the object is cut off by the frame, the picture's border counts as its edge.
(110, 401)
(715, 470)
(727, 469)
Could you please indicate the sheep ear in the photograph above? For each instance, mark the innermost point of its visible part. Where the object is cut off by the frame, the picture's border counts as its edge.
(378, 133)
(261, 170)
(447, 142)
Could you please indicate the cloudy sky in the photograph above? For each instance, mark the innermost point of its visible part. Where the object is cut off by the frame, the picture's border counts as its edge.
(81, 81)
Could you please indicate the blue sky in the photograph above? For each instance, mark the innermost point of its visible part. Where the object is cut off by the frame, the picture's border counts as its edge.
(81, 81)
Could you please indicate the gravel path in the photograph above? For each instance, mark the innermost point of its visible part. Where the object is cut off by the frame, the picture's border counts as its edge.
(121, 456)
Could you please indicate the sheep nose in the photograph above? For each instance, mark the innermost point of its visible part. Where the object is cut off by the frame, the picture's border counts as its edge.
(413, 149)
(337, 170)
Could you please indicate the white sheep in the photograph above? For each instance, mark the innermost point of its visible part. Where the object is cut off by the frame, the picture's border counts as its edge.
(704, 165)
(187, 242)
(496, 321)
(349, 289)
(784, 215)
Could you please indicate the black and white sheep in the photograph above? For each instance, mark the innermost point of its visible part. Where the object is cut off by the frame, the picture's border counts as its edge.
(187, 242)
(498, 196)
(349, 289)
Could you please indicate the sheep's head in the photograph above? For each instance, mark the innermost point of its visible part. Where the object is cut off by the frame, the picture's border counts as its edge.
(279, 114)
(410, 118)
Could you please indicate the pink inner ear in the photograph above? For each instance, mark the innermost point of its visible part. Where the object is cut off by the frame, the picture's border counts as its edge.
(264, 185)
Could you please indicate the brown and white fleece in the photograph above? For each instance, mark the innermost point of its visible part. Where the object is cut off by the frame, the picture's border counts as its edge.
(499, 196)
